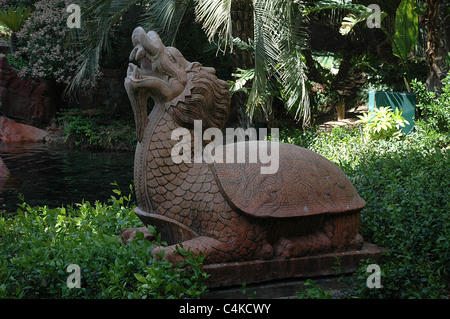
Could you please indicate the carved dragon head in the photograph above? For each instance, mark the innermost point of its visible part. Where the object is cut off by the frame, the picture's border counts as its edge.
(187, 90)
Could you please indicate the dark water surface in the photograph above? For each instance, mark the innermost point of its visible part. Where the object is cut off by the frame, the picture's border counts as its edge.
(53, 175)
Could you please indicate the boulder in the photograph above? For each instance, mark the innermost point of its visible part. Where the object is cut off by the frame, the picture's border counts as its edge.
(11, 131)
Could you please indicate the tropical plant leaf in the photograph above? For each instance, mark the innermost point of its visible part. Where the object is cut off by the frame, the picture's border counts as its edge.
(165, 17)
(243, 76)
(14, 19)
(100, 17)
(357, 16)
(328, 60)
(215, 17)
(406, 29)
(278, 61)
(295, 93)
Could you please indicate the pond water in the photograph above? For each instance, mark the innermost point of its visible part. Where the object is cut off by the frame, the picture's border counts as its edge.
(53, 175)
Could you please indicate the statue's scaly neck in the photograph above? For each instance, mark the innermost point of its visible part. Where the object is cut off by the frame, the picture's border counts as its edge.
(153, 161)
(140, 158)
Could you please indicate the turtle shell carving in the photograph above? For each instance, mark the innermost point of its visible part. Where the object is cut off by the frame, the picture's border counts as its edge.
(305, 184)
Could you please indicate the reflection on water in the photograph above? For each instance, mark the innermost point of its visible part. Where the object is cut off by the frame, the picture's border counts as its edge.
(51, 175)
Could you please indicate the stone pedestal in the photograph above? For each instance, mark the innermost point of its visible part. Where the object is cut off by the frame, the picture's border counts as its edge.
(223, 277)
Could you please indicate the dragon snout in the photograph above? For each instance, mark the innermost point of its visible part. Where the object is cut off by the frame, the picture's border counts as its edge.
(145, 44)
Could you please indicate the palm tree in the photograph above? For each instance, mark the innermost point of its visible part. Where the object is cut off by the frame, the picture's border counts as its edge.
(270, 28)
(14, 19)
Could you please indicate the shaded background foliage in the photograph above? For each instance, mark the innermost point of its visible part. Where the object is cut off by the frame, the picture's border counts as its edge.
(281, 44)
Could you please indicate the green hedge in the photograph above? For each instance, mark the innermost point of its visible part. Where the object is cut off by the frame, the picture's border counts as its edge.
(37, 244)
(406, 184)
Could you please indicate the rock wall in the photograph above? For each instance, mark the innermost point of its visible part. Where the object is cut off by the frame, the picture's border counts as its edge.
(27, 101)
(110, 93)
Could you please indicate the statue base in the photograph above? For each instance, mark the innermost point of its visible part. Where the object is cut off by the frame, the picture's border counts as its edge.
(266, 271)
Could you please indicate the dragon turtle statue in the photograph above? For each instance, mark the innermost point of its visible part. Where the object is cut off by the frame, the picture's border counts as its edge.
(229, 212)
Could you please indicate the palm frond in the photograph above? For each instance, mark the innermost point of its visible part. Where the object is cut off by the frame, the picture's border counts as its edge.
(165, 17)
(14, 19)
(215, 17)
(295, 93)
(277, 36)
(99, 17)
(242, 77)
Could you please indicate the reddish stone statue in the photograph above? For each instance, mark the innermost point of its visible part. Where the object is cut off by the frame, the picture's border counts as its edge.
(229, 211)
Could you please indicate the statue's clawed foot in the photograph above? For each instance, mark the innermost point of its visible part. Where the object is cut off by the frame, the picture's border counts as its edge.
(289, 248)
(303, 245)
(211, 248)
(127, 235)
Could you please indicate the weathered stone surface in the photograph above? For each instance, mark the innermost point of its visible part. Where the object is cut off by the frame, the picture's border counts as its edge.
(27, 101)
(11, 131)
(242, 221)
(129, 234)
(257, 271)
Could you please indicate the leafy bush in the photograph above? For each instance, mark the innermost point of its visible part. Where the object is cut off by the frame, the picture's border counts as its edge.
(312, 291)
(83, 129)
(162, 280)
(86, 130)
(405, 184)
(383, 123)
(43, 46)
(434, 108)
(407, 212)
(434, 111)
(341, 146)
(5, 33)
(37, 244)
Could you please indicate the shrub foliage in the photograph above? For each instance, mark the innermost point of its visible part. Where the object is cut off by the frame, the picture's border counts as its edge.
(43, 50)
(406, 184)
(37, 244)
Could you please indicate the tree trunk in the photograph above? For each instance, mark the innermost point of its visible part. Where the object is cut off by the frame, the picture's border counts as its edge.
(13, 42)
(436, 44)
(242, 24)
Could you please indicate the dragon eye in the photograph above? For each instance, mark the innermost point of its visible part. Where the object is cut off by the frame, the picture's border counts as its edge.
(171, 58)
